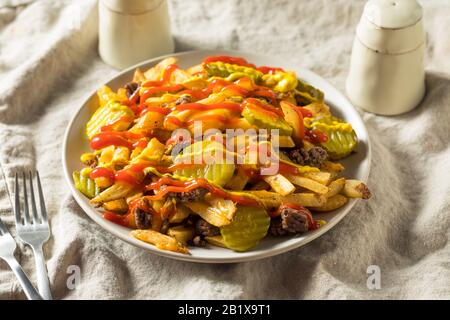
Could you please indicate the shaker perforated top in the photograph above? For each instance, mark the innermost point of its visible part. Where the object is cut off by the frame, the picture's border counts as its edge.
(393, 14)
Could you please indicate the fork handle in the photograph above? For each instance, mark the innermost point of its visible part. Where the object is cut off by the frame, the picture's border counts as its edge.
(42, 274)
(27, 286)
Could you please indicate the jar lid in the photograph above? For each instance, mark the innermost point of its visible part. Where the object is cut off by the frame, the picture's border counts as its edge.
(393, 14)
(132, 6)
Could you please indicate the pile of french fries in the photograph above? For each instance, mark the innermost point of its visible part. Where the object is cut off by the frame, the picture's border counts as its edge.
(319, 191)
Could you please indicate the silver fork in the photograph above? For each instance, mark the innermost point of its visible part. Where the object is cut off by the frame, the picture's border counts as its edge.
(7, 248)
(33, 229)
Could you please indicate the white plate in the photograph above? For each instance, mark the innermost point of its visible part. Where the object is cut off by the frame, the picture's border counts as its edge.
(357, 165)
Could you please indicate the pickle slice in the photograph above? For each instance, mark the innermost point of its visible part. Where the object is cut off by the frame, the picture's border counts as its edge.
(218, 172)
(111, 112)
(342, 139)
(281, 81)
(231, 71)
(249, 226)
(85, 185)
(263, 121)
(306, 93)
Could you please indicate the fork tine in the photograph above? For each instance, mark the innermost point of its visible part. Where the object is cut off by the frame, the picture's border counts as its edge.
(25, 200)
(2, 228)
(17, 200)
(36, 218)
(41, 198)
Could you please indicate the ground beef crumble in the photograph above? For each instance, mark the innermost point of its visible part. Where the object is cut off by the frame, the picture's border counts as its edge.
(194, 195)
(203, 228)
(291, 221)
(313, 157)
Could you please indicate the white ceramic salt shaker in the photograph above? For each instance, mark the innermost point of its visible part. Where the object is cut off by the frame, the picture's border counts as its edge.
(387, 71)
(131, 31)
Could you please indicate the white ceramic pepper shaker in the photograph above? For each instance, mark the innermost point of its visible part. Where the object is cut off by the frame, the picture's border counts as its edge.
(131, 31)
(387, 72)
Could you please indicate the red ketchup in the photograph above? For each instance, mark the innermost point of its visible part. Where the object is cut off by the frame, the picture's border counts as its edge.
(267, 70)
(106, 139)
(102, 173)
(230, 60)
(173, 185)
(316, 136)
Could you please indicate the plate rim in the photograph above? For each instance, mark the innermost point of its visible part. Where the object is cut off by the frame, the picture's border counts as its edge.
(88, 209)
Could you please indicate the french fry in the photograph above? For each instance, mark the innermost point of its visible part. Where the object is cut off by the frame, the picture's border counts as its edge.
(115, 192)
(333, 203)
(159, 240)
(335, 187)
(308, 184)
(195, 69)
(280, 184)
(356, 189)
(150, 121)
(216, 241)
(266, 198)
(154, 74)
(332, 167)
(119, 205)
(319, 109)
(320, 177)
(227, 207)
(274, 200)
(213, 215)
(138, 76)
(305, 199)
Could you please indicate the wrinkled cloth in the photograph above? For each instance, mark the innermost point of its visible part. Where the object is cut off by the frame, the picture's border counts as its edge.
(49, 65)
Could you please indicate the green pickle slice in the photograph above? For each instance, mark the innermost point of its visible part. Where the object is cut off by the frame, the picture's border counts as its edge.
(342, 139)
(85, 185)
(109, 113)
(249, 226)
(217, 173)
(263, 121)
(232, 71)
